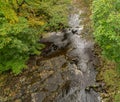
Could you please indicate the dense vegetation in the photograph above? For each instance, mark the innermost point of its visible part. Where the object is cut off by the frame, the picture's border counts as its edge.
(106, 23)
(21, 23)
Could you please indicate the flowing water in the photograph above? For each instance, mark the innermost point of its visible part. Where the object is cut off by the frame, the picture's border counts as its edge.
(82, 62)
(82, 52)
(64, 72)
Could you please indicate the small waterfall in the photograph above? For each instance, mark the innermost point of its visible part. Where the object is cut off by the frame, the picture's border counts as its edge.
(80, 75)
(81, 50)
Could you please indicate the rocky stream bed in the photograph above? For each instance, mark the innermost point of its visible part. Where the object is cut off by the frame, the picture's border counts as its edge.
(64, 72)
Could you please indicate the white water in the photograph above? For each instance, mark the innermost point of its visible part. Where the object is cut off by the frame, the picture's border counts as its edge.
(81, 49)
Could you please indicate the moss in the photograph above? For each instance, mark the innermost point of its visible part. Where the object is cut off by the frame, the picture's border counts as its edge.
(117, 97)
(111, 77)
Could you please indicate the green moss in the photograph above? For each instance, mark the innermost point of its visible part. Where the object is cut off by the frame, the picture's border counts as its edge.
(109, 76)
(117, 97)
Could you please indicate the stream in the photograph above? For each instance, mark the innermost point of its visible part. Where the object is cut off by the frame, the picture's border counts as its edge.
(64, 72)
(81, 61)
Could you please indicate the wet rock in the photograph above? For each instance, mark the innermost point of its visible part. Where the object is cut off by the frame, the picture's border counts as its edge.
(63, 72)
(58, 62)
(22, 79)
(54, 43)
(54, 63)
(34, 87)
(45, 74)
(38, 97)
(53, 82)
(18, 100)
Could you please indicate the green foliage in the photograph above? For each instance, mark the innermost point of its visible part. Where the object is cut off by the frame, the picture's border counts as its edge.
(117, 98)
(106, 23)
(21, 23)
(54, 11)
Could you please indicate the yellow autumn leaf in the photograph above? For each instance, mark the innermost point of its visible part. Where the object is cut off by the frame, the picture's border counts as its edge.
(36, 21)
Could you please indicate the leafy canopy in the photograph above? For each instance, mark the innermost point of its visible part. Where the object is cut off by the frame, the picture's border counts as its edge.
(21, 23)
(106, 23)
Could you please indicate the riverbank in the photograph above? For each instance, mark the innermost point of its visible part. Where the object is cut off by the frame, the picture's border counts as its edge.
(62, 73)
(66, 69)
(110, 76)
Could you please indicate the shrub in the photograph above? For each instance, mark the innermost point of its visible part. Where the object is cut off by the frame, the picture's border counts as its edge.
(21, 23)
(106, 23)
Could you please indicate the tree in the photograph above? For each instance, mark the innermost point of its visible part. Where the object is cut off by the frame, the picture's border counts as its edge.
(21, 23)
(106, 23)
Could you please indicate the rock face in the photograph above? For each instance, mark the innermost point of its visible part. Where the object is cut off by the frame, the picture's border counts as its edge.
(65, 71)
